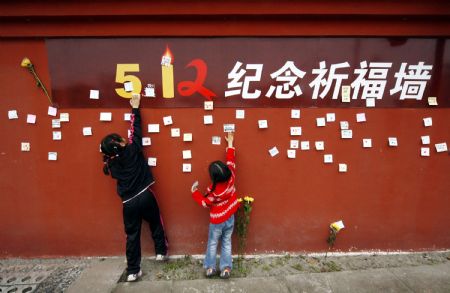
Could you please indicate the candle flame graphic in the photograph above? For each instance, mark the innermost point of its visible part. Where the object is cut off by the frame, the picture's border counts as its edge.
(168, 53)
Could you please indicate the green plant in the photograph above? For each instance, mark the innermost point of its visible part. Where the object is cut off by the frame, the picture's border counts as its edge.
(241, 226)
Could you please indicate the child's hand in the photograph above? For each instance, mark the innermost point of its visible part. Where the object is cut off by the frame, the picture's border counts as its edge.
(135, 100)
(230, 139)
(194, 187)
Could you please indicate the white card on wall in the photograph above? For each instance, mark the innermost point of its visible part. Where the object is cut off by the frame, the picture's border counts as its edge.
(149, 91)
(425, 139)
(441, 147)
(187, 154)
(128, 86)
(187, 168)
(295, 113)
(296, 131)
(52, 156)
(432, 101)
(57, 135)
(12, 114)
(345, 93)
(320, 145)
(25, 147)
(151, 162)
(273, 151)
(187, 136)
(291, 154)
(344, 125)
(175, 132)
(425, 152)
(367, 142)
(64, 117)
(328, 158)
(370, 102)
(167, 120)
(52, 111)
(342, 168)
(153, 128)
(294, 144)
(146, 141)
(87, 131)
(31, 118)
(331, 117)
(127, 117)
(105, 116)
(240, 114)
(263, 124)
(209, 105)
(346, 133)
(228, 127)
(392, 141)
(304, 145)
(94, 94)
(320, 121)
(361, 117)
(216, 140)
(56, 123)
(427, 122)
(208, 119)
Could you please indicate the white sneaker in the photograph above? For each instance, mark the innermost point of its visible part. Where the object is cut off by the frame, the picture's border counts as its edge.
(134, 277)
(160, 257)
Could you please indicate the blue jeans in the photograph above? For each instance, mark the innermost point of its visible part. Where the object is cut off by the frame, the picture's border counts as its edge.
(218, 232)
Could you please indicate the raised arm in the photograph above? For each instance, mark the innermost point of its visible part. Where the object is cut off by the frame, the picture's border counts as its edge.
(135, 128)
(230, 152)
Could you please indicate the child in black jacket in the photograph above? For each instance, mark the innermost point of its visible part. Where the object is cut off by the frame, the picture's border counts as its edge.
(126, 163)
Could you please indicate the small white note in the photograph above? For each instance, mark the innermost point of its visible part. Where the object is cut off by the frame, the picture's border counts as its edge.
(25, 147)
(262, 124)
(207, 119)
(105, 116)
(328, 158)
(425, 152)
(166, 60)
(167, 120)
(187, 136)
(291, 154)
(153, 128)
(128, 86)
(64, 117)
(94, 94)
(361, 117)
(370, 102)
(149, 91)
(52, 156)
(209, 105)
(331, 117)
(432, 101)
(175, 132)
(342, 168)
(146, 141)
(240, 114)
(304, 145)
(56, 123)
(187, 168)
(294, 144)
(346, 133)
(441, 147)
(425, 139)
(187, 154)
(345, 93)
(57, 135)
(273, 151)
(296, 131)
(367, 142)
(12, 114)
(320, 121)
(216, 140)
(31, 118)
(344, 125)
(392, 141)
(151, 162)
(295, 113)
(228, 127)
(87, 131)
(320, 145)
(52, 111)
(127, 117)
(427, 122)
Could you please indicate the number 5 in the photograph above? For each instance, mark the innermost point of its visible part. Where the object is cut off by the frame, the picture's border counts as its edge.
(122, 78)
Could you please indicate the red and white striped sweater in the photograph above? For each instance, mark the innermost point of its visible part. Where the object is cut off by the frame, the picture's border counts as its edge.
(222, 201)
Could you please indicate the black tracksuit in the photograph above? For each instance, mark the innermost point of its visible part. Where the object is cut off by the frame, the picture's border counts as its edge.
(134, 178)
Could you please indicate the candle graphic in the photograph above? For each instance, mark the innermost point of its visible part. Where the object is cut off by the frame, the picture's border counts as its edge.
(167, 74)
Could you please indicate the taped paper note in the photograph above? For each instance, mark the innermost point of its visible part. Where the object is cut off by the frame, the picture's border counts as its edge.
(304, 145)
(187, 168)
(152, 162)
(331, 117)
(262, 124)
(146, 141)
(342, 168)
(425, 152)
(273, 151)
(208, 119)
(167, 120)
(187, 154)
(228, 127)
(12, 114)
(294, 144)
(216, 140)
(175, 132)
(320, 145)
(295, 114)
(153, 128)
(64, 117)
(328, 158)
(105, 116)
(25, 147)
(240, 114)
(52, 111)
(52, 156)
(367, 142)
(209, 105)
(187, 137)
(320, 121)
(94, 95)
(425, 139)
(291, 154)
(296, 131)
(87, 131)
(31, 118)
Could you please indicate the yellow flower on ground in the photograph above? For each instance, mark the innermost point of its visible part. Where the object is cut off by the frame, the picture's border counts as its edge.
(26, 62)
(239, 200)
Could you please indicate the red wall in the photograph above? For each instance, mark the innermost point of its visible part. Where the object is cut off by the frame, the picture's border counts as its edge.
(391, 198)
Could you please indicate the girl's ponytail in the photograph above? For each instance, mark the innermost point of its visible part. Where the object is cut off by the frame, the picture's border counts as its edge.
(219, 172)
(111, 148)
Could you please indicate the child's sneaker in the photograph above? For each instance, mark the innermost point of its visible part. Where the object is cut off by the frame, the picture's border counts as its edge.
(225, 274)
(161, 257)
(210, 272)
(134, 277)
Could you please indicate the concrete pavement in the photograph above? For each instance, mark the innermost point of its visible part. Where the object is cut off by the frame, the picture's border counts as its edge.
(102, 276)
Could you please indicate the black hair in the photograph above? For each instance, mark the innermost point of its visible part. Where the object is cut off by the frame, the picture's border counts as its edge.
(219, 172)
(111, 149)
